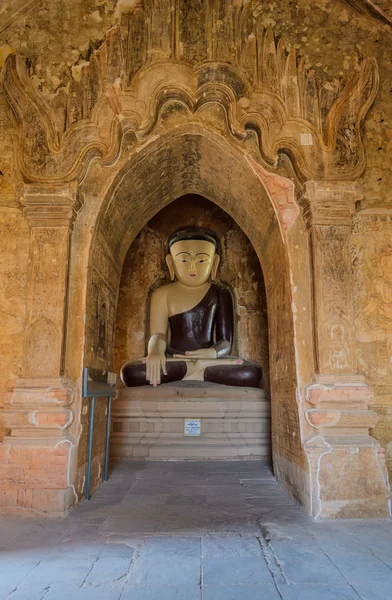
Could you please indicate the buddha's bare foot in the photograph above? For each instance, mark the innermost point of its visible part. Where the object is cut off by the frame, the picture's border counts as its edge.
(196, 368)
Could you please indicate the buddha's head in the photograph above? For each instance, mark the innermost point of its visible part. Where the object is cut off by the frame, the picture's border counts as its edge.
(192, 256)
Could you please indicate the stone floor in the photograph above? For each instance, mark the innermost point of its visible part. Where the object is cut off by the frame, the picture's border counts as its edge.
(187, 531)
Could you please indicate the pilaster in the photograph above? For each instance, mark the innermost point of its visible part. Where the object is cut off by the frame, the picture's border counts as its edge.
(348, 476)
(50, 211)
(328, 208)
(35, 455)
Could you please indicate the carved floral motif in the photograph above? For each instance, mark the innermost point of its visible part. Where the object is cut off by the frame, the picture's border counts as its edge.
(261, 85)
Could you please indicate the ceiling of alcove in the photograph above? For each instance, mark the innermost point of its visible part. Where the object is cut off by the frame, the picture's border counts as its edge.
(191, 210)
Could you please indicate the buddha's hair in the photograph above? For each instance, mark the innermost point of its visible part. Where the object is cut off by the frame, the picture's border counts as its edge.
(193, 233)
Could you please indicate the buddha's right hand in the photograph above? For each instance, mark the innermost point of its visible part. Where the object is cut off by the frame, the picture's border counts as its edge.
(155, 363)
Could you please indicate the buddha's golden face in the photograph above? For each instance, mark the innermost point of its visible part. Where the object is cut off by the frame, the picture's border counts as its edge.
(192, 261)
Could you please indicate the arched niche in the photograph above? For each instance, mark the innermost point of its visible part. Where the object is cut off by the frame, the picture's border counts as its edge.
(144, 270)
(118, 202)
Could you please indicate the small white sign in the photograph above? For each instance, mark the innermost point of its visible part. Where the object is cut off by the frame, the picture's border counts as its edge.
(306, 139)
(192, 427)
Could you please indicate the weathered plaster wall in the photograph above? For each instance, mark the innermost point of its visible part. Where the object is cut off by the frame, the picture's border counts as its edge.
(372, 277)
(53, 37)
(144, 270)
(14, 248)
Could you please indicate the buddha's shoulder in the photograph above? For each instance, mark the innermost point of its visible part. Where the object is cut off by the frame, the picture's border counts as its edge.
(164, 291)
(221, 290)
(161, 292)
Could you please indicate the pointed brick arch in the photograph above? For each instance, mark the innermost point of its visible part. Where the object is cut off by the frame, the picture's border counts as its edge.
(195, 161)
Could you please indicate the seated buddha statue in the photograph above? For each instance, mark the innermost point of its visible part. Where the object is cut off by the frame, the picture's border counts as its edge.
(191, 322)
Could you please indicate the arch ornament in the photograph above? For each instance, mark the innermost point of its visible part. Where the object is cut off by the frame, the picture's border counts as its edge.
(262, 87)
(231, 77)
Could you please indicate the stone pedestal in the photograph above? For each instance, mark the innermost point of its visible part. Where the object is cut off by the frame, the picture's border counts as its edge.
(148, 423)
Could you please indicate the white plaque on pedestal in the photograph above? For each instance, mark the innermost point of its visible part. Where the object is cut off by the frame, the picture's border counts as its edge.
(192, 427)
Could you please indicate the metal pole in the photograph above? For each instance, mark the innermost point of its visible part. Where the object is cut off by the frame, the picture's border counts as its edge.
(106, 471)
(90, 449)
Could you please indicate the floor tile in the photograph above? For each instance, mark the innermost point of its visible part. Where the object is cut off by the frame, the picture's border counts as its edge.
(167, 561)
(218, 546)
(317, 592)
(238, 570)
(264, 591)
(84, 593)
(182, 592)
(129, 524)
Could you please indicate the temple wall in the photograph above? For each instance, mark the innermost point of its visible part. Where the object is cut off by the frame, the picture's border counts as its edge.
(371, 248)
(14, 249)
(57, 38)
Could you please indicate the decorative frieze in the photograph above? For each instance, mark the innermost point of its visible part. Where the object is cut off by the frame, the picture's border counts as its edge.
(151, 60)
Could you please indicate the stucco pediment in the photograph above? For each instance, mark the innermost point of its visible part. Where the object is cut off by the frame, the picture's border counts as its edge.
(379, 11)
(139, 72)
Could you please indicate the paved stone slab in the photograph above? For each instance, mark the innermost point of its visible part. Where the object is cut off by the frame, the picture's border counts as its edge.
(367, 573)
(84, 593)
(235, 525)
(112, 565)
(11, 576)
(265, 591)
(183, 592)
(172, 562)
(33, 593)
(320, 592)
(238, 570)
(10, 527)
(218, 546)
(69, 568)
(129, 524)
(155, 499)
(305, 562)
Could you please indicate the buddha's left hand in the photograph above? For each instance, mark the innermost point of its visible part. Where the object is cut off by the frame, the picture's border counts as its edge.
(203, 353)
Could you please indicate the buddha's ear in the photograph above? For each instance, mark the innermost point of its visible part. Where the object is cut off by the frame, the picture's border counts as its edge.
(215, 265)
(170, 266)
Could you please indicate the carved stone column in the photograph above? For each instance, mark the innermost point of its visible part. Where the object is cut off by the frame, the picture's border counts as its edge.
(347, 466)
(35, 455)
